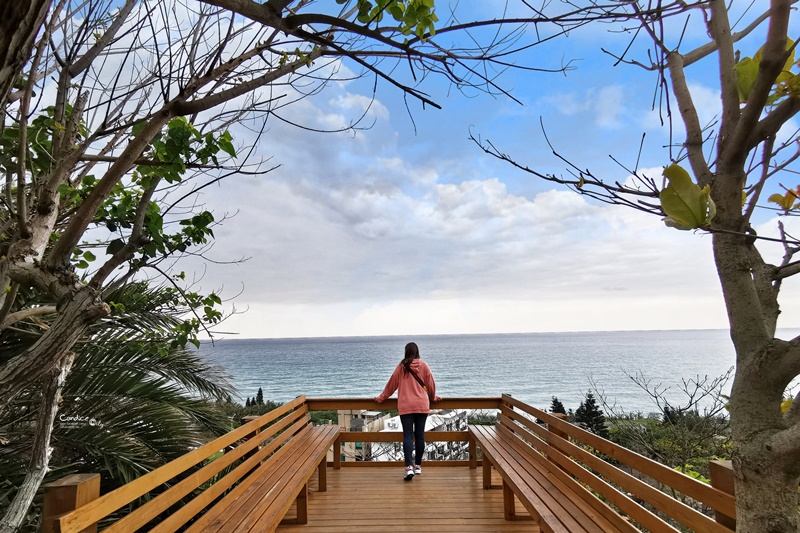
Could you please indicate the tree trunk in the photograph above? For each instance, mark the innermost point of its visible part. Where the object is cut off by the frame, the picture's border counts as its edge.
(20, 21)
(767, 499)
(766, 494)
(81, 310)
(40, 455)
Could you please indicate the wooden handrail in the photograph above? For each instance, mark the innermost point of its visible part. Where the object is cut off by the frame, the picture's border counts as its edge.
(367, 404)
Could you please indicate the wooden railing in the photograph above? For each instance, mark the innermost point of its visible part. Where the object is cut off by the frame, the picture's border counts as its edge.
(177, 498)
(371, 437)
(638, 488)
(575, 452)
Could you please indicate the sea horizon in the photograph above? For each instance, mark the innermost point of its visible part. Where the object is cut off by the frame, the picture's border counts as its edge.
(531, 366)
(564, 332)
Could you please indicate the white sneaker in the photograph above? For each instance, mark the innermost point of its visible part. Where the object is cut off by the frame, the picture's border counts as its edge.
(409, 473)
(417, 470)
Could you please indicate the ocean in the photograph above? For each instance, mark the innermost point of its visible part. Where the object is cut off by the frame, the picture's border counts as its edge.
(532, 367)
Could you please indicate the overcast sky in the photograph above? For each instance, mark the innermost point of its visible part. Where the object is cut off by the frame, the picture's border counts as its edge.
(400, 231)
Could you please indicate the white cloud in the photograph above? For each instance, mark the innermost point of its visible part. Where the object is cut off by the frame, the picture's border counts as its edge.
(352, 236)
(463, 257)
(603, 105)
(609, 106)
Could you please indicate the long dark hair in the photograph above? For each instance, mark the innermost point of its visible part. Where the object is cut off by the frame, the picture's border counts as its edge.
(412, 352)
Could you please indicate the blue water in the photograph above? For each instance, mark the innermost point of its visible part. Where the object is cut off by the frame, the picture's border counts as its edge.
(532, 367)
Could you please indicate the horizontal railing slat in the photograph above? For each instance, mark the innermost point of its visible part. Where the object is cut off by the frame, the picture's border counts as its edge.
(397, 436)
(382, 464)
(366, 404)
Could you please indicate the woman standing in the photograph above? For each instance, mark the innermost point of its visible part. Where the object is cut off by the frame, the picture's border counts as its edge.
(416, 389)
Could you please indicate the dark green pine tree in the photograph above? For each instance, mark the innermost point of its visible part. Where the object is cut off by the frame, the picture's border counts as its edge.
(557, 407)
(590, 415)
(260, 397)
(247, 402)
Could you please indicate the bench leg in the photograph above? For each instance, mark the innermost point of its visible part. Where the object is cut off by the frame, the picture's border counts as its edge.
(487, 472)
(473, 454)
(508, 502)
(302, 505)
(323, 475)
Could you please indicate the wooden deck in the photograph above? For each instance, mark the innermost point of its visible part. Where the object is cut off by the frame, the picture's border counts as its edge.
(443, 498)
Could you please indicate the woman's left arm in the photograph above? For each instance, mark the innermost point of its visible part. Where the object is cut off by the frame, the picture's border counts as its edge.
(391, 386)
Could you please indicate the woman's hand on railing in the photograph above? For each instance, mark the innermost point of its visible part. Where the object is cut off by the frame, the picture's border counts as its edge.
(437, 399)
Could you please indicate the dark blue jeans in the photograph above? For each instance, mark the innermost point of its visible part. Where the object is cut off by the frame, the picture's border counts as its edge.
(413, 437)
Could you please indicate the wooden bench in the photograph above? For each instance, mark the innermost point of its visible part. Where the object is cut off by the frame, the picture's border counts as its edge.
(265, 468)
(260, 503)
(556, 504)
(551, 468)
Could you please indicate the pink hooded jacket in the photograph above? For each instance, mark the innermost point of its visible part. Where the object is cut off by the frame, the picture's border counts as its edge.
(411, 397)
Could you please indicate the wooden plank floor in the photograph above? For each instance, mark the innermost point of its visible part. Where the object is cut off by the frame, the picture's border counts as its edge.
(442, 499)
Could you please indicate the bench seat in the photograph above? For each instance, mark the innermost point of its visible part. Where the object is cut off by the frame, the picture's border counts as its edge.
(556, 502)
(261, 501)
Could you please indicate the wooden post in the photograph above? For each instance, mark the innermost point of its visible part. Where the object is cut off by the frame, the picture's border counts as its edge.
(322, 475)
(245, 420)
(67, 494)
(722, 479)
(250, 418)
(337, 453)
(557, 432)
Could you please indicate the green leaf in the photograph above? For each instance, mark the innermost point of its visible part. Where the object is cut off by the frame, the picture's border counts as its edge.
(686, 205)
(226, 145)
(138, 127)
(746, 72)
(396, 11)
(115, 246)
(89, 256)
